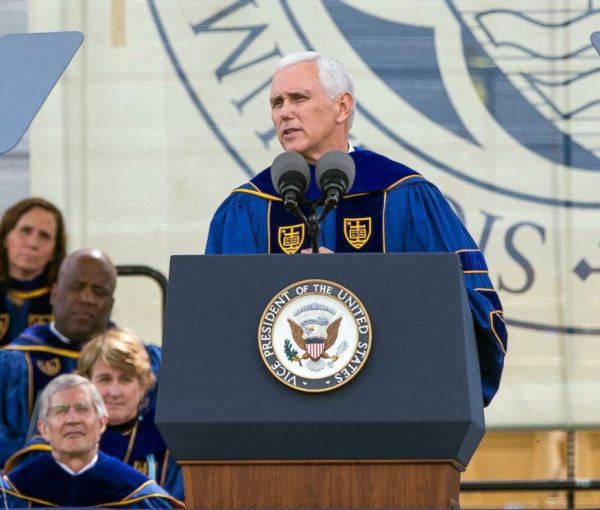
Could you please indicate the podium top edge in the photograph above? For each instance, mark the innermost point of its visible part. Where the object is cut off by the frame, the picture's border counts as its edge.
(439, 254)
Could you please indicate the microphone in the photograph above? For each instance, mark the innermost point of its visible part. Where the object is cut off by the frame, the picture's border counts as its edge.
(334, 173)
(290, 176)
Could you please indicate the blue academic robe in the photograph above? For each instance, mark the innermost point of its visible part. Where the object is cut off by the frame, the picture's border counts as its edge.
(35, 308)
(144, 449)
(26, 366)
(390, 208)
(41, 482)
(141, 447)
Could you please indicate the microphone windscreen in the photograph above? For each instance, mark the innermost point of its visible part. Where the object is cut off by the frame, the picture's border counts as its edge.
(290, 164)
(336, 164)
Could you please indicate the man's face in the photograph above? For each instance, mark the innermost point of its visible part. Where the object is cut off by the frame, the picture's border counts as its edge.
(72, 427)
(305, 118)
(83, 298)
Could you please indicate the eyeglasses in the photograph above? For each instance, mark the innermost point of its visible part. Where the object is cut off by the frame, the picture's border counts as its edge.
(62, 408)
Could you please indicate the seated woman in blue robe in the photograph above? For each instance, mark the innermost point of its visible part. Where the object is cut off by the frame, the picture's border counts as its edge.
(32, 247)
(117, 363)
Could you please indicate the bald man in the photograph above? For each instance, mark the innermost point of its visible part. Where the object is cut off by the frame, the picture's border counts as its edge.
(82, 300)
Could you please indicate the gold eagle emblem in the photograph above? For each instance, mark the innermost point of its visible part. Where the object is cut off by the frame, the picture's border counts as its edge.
(311, 341)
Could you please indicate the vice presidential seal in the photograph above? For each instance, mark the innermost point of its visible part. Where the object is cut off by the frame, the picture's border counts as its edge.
(314, 336)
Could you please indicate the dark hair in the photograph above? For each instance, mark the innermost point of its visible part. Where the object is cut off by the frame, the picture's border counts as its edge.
(11, 218)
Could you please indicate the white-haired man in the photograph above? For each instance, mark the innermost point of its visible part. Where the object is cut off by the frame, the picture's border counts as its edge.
(396, 208)
(75, 474)
(82, 301)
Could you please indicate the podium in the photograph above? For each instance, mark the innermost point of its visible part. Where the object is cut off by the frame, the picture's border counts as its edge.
(397, 435)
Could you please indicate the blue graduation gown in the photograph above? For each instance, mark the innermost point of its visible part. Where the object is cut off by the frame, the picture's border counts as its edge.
(41, 482)
(35, 309)
(390, 208)
(144, 449)
(26, 366)
(141, 447)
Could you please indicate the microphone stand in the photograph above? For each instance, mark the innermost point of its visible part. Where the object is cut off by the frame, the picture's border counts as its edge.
(312, 222)
(313, 229)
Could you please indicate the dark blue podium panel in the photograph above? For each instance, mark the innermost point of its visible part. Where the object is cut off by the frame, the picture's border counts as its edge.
(417, 397)
(31, 65)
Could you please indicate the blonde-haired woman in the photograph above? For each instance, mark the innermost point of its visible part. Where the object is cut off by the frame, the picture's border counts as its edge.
(117, 363)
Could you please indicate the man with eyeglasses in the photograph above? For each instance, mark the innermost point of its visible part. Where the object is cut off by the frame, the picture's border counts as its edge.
(82, 301)
(74, 473)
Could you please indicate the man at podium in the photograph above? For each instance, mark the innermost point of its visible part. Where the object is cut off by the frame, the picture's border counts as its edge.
(389, 208)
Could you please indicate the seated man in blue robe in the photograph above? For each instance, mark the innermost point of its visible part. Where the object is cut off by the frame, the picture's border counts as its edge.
(75, 474)
(82, 299)
(389, 208)
(117, 362)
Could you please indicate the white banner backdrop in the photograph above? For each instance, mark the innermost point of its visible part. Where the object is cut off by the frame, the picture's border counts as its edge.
(165, 109)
